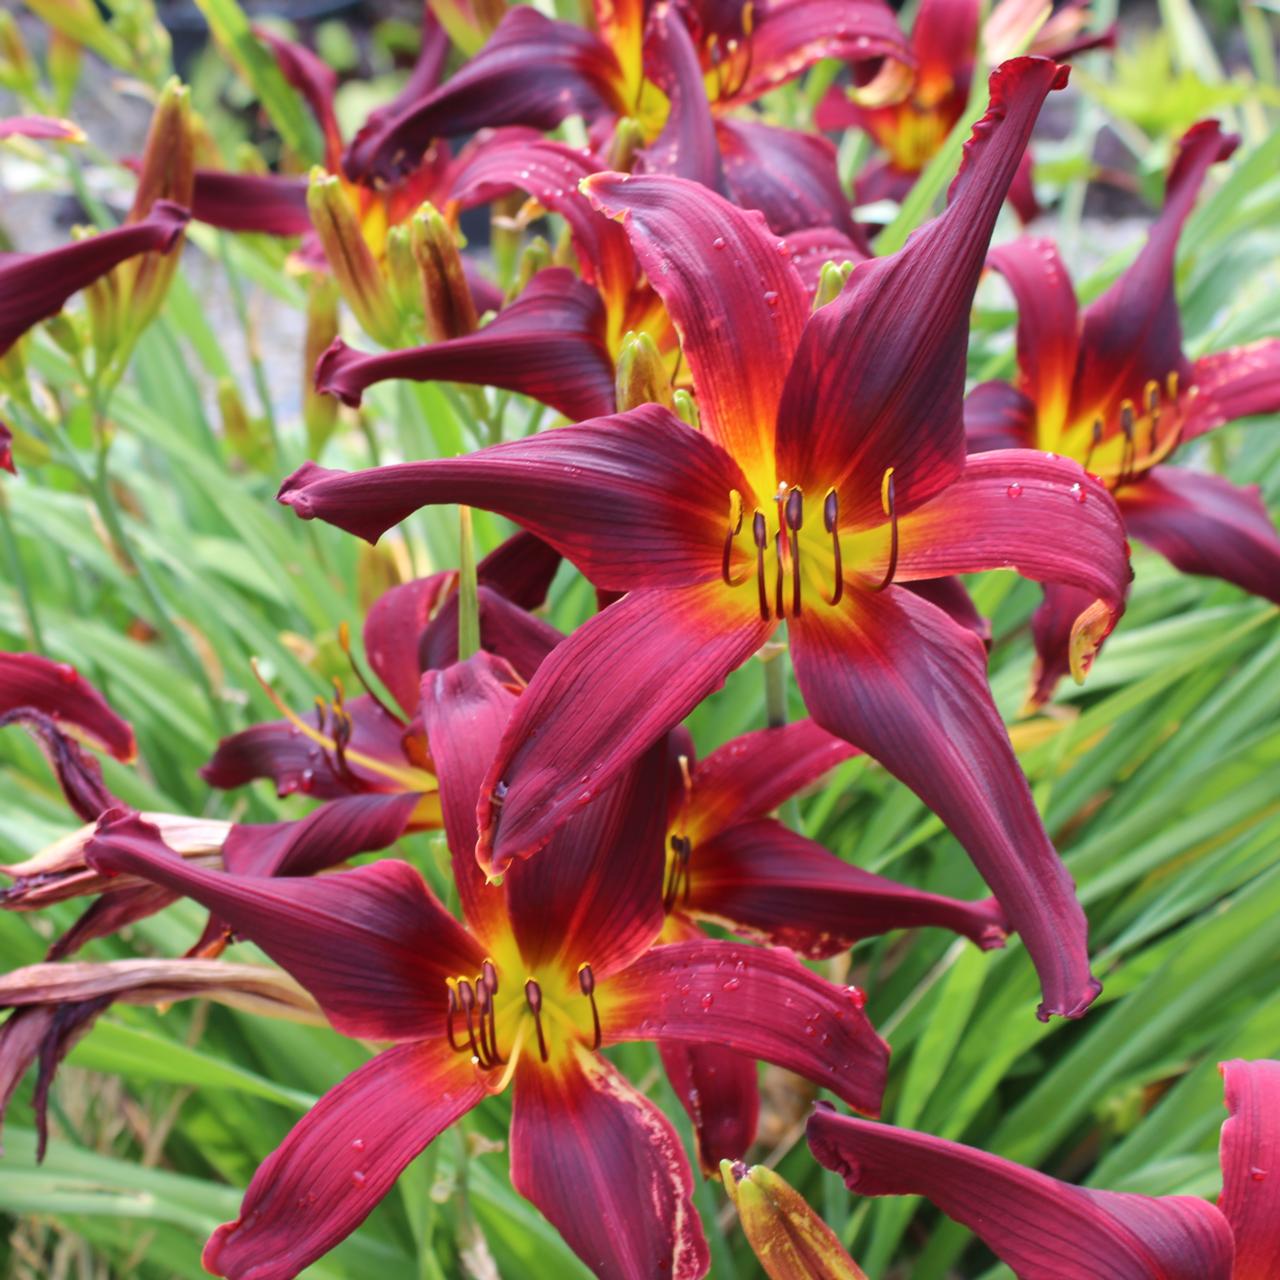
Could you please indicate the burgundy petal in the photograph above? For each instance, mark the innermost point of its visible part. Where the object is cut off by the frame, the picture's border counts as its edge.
(314, 79)
(606, 1169)
(717, 1088)
(1233, 384)
(1038, 514)
(78, 773)
(548, 344)
(372, 945)
(950, 596)
(1205, 524)
(635, 499)
(751, 775)
(341, 1158)
(893, 345)
(594, 894)
(791, 35)
(1046, 1229)
(998, 416)
(56, 690)
(521, 569)
(788, 175)
(1250, 1153)
(1132, 333)
(759, 1001)
(393, 630)
(762, 879)
(1051, 627)
(736, 301)
(896, 677)
(602, 698)
(331, 834)
(465, 709)
(1048, 326)
(35, 286)
(532, 71)
(109, 914)
(687, 146)
(273, 204)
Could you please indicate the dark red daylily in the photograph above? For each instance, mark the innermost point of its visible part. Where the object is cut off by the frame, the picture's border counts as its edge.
(1050, 1230)
(550, 966)
(674, 70)
(729, 863)
(363, 746)
(789, 505)
(35, 286)
(945, 40)
(1112, 387)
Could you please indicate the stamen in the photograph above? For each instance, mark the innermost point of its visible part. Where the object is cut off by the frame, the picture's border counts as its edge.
(735, 528)
(1095, 439)
(887, 503)
(489, 972)
(448, 1026)
(677, 874)
(533, 998)
(831, 522)
(779, 546)
(760, 533)
(1171, 385)
(1151, 395)
(488, 1023)
(795, 519)
(467, 999)
(587, 981)
(1129, 454)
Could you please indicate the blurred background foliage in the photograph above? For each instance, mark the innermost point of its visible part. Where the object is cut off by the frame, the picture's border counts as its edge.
(1160, 778)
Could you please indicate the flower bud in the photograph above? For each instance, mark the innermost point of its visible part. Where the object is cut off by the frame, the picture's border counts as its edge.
(641, 377)
(536, 256)
(448, 308)
(686, 409)
(628, 138)
(789, 1239)
(18, 71)
(350, 259)
(167, 173)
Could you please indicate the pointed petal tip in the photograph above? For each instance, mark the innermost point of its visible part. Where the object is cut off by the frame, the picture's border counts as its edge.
(1075, 1011)
(328, 376)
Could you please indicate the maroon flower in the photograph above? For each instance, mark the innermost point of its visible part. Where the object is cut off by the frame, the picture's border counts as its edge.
(1112, 387)
(551, 965)
(830, 464)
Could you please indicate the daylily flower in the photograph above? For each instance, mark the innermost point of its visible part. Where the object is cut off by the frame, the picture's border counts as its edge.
(549, 967)
(45, 128)
(55, 1004)
(830, 465)
(363, 746)
(945, 39)
(677, 71)
(1050, 1230)
(35, 286)
(1112, 387)
(729, 863)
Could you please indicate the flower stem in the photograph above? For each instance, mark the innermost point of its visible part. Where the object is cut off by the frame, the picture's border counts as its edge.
(468, 589)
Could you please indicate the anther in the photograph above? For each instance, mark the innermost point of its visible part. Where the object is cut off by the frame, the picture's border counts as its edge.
(735, 528)
(795, 519)
(467, 999)
(760, 532)
(831, 522)
(1129, 453)
(489, 974)
(887, 505)
(533, 998)
(587, 982)
(1151, 395)
(677, 876)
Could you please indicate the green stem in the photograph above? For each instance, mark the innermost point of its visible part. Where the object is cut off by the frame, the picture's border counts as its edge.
(775, 690)
(20, 574)
(468, 589)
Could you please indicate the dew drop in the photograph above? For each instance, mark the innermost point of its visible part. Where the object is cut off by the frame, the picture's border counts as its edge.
(1258, 1175)
(1014, 490)
(808, 1029)
(67, 673)
(307, 780)
(718, 242)
(1077, 492)
(706, 1000)
(770, 298)
(857, 997)
(732, 985)
(357, 1144)
(357, 1178)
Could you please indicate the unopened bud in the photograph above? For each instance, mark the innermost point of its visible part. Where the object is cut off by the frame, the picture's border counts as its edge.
(536, 256)
(831, 282)
(103, 306)
(402, 275)
(448, 308)
(64, 333)
(628, 138)
(789, 1239)
(350, 258)
(245, 437)
(320, 413)
(64, 60)
(167, 173)
(686, 408)
(641, 377)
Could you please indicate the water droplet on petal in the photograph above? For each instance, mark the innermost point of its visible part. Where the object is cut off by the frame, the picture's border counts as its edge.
(770, 298)
(1014, 490)
(707, 1000)
(357, 1144)
(1077, 492)
(718, 242)
(1258, 1175)
(732, 985)
(357, 1178)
